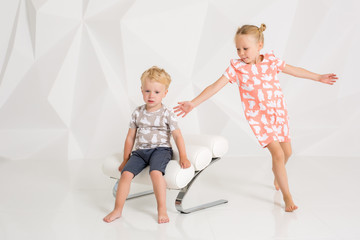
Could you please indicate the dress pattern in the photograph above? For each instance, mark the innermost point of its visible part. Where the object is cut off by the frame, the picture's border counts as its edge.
(262, 98)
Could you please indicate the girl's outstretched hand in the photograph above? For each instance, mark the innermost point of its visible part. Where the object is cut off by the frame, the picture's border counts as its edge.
(328, 78)
(183, 108)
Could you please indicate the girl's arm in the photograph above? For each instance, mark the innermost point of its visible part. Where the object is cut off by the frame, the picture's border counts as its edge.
(303, 73)
(128, 146)
(185, 107)
(180, 144)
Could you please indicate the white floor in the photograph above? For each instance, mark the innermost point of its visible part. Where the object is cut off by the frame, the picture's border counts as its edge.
(52, 199)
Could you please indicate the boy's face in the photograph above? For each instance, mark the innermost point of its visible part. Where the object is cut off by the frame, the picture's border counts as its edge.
(248, 48)
(153, 93)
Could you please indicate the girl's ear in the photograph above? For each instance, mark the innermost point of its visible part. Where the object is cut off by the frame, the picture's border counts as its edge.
(261, 45)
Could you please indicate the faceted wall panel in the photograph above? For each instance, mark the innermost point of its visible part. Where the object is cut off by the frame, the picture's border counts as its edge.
(70, 71)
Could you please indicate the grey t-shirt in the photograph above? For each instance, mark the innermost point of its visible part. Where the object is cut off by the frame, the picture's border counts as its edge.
(153, 128)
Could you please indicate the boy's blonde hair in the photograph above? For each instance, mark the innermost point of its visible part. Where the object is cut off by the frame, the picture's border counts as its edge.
(257, 32)
(156, 74)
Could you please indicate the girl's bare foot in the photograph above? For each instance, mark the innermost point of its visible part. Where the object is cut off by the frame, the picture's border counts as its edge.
(162, 216)
(289, 204)
(112, 216)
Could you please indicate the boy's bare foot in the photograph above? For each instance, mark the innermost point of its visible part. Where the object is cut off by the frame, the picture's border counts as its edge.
(112, 216)
(289, 204)
(276, 185)
(162, 216)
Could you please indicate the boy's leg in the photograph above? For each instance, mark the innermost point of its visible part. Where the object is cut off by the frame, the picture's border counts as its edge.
(158, 162)
(159, 186)
(278, 161)
(286, 147)
(121, 195)
(133, 166)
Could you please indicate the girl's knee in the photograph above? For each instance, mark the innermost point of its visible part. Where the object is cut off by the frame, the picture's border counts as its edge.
(278, 159)
(286, 146)
(278, 155)
(288, 154)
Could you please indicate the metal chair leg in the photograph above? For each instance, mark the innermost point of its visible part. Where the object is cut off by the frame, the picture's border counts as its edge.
(134, 195)
(140, 194)
(183, 192)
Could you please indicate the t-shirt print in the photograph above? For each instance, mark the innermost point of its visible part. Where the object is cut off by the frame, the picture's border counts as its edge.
(153, 128)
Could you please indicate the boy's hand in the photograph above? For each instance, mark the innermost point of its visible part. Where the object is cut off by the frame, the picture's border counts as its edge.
(183, 108)
(328, 78)
(185, 163)
(122, 166)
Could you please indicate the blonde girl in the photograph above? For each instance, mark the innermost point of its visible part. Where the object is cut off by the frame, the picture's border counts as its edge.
(264, 105)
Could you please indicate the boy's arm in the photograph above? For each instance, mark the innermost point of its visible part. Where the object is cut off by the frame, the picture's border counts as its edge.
(179, 140)
(303, 73)
(128, 146)
(185, 107)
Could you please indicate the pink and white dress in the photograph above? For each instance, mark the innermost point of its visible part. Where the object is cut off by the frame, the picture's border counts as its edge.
(263, 101)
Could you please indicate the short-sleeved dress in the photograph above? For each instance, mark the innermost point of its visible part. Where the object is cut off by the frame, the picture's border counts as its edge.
(263, 101)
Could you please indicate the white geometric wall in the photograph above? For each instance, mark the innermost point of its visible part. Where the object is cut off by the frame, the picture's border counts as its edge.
(69, 76)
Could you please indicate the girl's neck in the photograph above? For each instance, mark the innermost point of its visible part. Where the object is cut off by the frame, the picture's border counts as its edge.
(259, 59)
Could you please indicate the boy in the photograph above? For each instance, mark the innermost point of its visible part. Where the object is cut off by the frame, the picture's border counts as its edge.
(151, 127)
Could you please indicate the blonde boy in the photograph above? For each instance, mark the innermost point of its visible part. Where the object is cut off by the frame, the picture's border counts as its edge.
(151, 127)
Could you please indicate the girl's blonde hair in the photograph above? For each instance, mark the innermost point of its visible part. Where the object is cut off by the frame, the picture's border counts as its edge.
(156, 74)
(255, 31)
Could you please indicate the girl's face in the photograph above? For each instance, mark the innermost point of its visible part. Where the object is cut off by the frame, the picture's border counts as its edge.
(153, 93)
(248, 48)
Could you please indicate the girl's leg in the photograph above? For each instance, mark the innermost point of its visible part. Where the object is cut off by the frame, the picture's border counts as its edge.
(278, 161)
(286, 147)
(121, 195)
(159, 186)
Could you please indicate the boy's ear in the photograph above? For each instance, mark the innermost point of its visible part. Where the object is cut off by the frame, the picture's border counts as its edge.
(166, 91)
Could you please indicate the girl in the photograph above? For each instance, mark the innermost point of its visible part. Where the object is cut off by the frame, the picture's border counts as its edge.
(263, 102)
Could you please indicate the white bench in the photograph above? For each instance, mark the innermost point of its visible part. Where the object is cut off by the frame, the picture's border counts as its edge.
(202, 151)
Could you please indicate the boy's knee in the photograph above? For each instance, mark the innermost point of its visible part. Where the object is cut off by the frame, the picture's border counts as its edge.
(127, 175)
(156, 173)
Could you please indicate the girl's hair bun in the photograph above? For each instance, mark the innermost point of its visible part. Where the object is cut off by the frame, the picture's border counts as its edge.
(257, 32)
(262, 27)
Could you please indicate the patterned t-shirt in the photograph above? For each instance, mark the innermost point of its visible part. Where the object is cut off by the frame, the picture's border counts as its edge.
(153, 128)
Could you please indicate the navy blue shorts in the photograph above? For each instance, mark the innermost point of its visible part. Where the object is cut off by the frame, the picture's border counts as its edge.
(157, 158)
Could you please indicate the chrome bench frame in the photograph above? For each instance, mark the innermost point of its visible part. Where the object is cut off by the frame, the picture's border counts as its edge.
(182, 193)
